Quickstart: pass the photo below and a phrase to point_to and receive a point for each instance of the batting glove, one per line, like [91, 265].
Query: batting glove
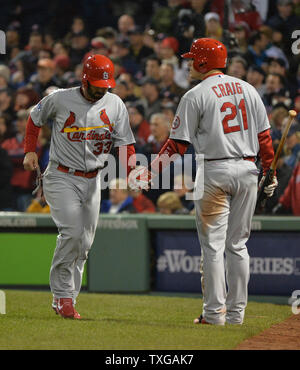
[269, 190]
[140, 178]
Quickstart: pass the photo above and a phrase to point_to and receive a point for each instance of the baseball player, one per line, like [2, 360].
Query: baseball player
[87, 122]
[226, 121]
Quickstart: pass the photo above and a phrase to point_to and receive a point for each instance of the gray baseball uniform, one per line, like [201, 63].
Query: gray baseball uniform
[222, 117]
[83, 134]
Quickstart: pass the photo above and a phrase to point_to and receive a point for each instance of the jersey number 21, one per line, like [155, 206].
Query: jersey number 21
[231, 116]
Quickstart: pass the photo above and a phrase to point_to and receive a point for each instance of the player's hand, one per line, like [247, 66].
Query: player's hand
[140, 178]
[31, 162]
[269, 190]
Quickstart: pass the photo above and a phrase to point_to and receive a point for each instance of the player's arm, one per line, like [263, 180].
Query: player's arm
[140, 177]
[31, 136]
[127, 157]
[39, 115]
[266, 151]
[172, 146]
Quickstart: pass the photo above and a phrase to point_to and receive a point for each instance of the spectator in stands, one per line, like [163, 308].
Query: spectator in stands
[152, 68]
[6, 171]
[138, 51]
[6, 127]
[45, 76]
[125, 23]
[168, 50]
[98, 45]
[121, 51]
[241, 33]
[122, 90]
[183, 185]
[109, 34]
[12, 40]
[134, 90]
[79, 46]
[213, 26]
[278, 65]
[140, 127]
[285, 22]
[35, 45]
[141, 203]
[256, 77]
[150, 97]
[199, 9]
[169, 203]
[60, 48]
[119, 199]
[237, 67]
[21, 181]
[169, 110]
[160, 130]
[256, 53]
[289, 202]
[62, 66]
[167, 82]
[274, 87]
[277, 118]
[4, 76]
[25, 98]
[78, 26]
[164, 18]
[243, 11]
[293, 145]
[6, 102]
[38, 205]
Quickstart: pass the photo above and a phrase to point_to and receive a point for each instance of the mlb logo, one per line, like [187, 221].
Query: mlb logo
[105, 76]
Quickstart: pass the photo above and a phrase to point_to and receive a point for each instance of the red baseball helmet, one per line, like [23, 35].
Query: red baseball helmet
[207, 54]
[98, 70]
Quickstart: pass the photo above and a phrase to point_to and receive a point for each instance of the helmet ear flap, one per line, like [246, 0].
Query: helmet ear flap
[199, 64]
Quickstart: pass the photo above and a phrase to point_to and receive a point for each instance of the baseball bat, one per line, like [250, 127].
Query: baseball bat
[261, 196]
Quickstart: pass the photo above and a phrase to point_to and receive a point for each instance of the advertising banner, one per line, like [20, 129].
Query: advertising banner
[274, 262]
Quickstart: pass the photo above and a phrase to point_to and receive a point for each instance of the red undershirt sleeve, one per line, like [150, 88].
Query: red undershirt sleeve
[171, 147]
[127, 157]
[31, 136]
[266, 150]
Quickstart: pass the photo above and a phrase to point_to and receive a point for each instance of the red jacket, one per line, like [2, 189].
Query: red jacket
[143, 131]
[15, 150]
[291, 196]
[143, 205]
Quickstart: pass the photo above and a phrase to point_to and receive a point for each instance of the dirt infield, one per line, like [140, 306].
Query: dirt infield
[282, 336]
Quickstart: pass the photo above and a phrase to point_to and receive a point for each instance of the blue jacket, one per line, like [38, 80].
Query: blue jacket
[126, 206]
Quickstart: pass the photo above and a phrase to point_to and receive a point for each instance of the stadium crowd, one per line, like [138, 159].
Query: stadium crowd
[46, 45]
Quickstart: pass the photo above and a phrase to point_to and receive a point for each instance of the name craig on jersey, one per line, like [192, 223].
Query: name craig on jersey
[80, 136]
[226, 89]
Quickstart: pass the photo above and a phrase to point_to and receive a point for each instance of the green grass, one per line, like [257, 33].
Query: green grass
[124, 322]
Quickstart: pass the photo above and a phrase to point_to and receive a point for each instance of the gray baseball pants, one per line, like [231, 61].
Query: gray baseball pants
[75, 204]
[223, 218]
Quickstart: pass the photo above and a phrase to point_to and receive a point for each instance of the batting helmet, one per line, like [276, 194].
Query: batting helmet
[207, 54]
[98, 70]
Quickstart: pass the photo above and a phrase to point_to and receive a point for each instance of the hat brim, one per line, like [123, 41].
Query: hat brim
[188, 55]
[103, 83]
